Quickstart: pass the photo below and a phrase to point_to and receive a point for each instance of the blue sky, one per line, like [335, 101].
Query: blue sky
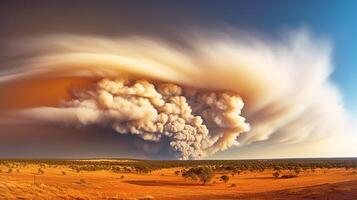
[334, 20]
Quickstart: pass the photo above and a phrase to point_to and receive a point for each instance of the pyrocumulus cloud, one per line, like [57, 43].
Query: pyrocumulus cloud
[203, 95]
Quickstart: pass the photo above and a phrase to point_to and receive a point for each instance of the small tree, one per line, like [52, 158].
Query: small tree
[276, 174]
[297, 170]
[313, 169]
[225, 178]
[189, 174]
[205, 175]
[40, 171]
[277, 168]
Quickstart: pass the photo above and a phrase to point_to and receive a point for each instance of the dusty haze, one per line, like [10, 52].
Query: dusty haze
[200, 95]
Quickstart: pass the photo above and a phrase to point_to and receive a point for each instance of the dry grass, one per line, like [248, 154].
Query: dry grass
[24, 182]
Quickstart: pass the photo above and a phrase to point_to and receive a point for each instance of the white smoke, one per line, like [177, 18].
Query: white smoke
[285, 87]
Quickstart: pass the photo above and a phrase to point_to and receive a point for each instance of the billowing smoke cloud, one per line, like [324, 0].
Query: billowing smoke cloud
[191, 92]
[166, 110]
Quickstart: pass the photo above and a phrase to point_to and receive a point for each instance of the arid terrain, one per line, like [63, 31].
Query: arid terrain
[51, 180]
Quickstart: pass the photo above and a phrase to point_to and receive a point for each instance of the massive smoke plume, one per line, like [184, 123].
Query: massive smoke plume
[196, 123]
[190, 92]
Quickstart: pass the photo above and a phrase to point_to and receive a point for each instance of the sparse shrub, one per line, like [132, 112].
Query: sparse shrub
[288, 176]
[0, 170]
[297, 170]
[122, 177]
[204, 174]
[277, 168]
[189, 174]
[9, 170]
[82, 181]
[177, 173]
[313, 169]
[63, 173]
[225, 178]
[143, 168]
[18, 170]
[237, 171]
[116, 169]
[233, 185]
[276, 174]
[40, 171]
[147, 197]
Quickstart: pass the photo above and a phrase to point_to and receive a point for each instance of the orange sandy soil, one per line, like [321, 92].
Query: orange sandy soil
[164, 184]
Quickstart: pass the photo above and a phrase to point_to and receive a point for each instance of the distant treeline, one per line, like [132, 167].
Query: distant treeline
[145, 166]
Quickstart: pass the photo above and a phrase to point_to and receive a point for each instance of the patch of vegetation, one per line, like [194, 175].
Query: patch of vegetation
[148, 197]
[285, 176]
[225, 166]
[203, 174]
[224, 178]
[297, 170]
[276, 174]
[177, 173]
[40, 171]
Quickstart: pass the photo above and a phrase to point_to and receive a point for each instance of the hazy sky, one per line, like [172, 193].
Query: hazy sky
[334, 21]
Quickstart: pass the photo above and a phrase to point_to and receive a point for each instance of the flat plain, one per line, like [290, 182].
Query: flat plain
[126, 179]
